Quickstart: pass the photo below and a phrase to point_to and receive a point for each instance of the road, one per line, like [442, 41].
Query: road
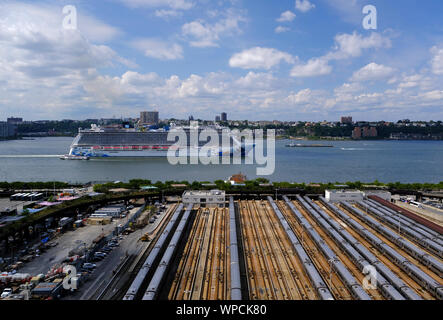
[68, 241]
[129, 248]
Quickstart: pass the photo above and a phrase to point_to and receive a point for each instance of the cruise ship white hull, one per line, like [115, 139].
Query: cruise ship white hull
[192, 152]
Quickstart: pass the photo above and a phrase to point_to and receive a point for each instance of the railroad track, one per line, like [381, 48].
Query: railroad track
[369, 210]
[349, 264]
[203, 271]
[334, 283]
[397, 248]
[274, 270]
[432, 279]
[301, 288]
[385, 260]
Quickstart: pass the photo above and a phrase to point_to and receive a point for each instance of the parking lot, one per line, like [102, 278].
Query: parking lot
[67, 242]
[432, 213]
[128, 245]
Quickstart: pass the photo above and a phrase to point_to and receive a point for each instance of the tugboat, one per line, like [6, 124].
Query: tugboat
[73, 157]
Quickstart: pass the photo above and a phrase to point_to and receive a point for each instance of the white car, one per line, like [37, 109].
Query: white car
[6, 293]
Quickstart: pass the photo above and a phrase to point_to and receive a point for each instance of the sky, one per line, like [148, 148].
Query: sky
[254, 59]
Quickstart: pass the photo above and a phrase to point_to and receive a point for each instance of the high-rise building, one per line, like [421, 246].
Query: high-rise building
[7, 130]
[15, 121]
[4, 132]
[346, 120]
[149, 117]
[224, 117]
[217, 119]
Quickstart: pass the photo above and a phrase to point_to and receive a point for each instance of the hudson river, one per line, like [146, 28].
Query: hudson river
[366, 161]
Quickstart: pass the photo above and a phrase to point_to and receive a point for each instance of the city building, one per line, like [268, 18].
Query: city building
[15, 121]
[149, 117]
[7, 130]
[357, 133]
[370, 132]
[224, 117]
[343, 195]
[346, 120]
[217, 119]
[364, 132]
[206, 199]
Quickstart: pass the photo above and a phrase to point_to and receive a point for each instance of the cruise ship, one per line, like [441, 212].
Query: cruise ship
[108, 142]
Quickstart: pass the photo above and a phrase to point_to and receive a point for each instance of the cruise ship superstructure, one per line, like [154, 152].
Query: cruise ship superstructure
[106, 142]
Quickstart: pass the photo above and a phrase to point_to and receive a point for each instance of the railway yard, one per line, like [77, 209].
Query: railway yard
[296, 248]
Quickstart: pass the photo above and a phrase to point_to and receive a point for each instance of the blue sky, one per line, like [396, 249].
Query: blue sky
[257, 60]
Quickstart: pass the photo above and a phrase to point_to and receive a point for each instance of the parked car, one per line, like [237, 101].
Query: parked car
[6, 293]
[89, 266]
[97, 258]
[88, 271]
[113, 244]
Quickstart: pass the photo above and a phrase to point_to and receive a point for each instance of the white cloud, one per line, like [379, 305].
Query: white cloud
[256, 80]
[95, 30]
[286, 16]
[165, 13]
[314, 67]
[437, 60]
[260, 58]
[303, 96]
[346, 46]
[412, 81]
[281, 29]
[202, 34]
[352, 45]
[174, 4]
[372, 71]
[432, 95]
[348, 88]
[158, 49]
[42, 66]
[304, 5]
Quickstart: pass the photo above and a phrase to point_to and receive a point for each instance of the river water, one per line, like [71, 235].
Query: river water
[367, 161]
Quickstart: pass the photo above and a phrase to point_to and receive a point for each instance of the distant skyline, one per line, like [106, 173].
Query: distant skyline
[258, 60]
[229, 119]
